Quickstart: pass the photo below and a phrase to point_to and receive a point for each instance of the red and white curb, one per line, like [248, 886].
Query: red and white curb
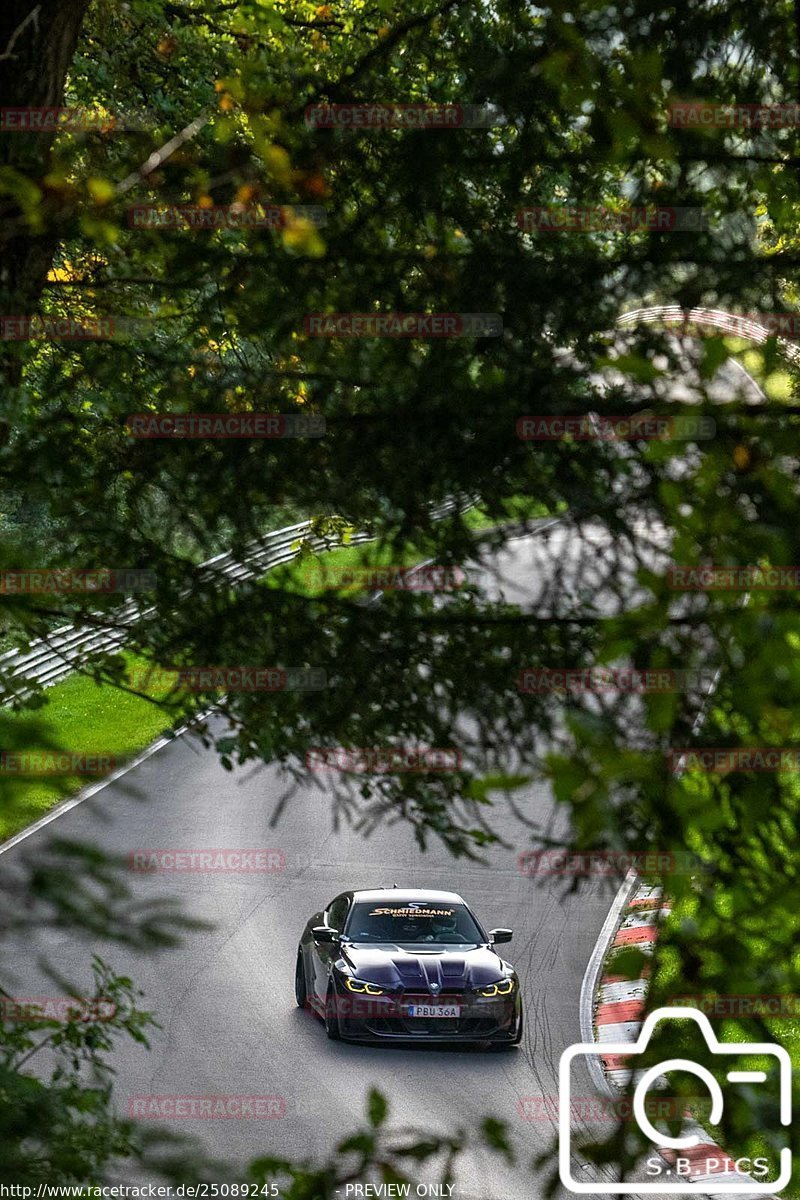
[620, 1002]
[612, 1010]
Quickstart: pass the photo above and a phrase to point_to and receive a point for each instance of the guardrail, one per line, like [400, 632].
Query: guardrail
[672, 316]
[54, 657]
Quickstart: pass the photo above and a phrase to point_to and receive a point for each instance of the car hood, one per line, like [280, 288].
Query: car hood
[436, 970]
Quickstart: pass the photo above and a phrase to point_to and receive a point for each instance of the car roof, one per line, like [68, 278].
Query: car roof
[405, 895]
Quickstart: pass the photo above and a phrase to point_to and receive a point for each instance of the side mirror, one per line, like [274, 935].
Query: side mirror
[496, 936]
[323, 933]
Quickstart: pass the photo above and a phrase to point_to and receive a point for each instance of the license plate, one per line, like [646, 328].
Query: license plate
[434, 1010]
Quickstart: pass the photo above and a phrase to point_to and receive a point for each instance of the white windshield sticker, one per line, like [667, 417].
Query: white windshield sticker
[412, 912]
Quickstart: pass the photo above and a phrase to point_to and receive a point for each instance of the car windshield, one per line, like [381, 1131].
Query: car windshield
[413, 923]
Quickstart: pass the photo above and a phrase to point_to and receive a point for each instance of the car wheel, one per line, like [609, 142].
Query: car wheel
[300, 981]
[518, 1034]
[331, 1016]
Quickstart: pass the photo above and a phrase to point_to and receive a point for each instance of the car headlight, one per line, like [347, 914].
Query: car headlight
[503, 988]
[362, 988]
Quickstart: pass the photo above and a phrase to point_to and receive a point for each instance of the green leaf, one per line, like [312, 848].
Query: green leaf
[377, 1108]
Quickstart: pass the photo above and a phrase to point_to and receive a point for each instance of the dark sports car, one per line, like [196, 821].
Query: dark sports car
[407, 964]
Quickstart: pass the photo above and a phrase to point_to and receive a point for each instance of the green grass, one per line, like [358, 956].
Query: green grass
[79, 715]
[515, 508]
[84, 716]
[775, 381]
[304, 576]
[307, 575]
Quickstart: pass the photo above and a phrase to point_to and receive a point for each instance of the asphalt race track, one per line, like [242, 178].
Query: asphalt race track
[225, 999]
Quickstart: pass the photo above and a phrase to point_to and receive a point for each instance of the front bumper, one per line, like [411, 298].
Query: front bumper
[385, 1018]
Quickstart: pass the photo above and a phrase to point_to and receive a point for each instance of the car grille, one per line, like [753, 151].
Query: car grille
[466, 1026]
[431, 1026]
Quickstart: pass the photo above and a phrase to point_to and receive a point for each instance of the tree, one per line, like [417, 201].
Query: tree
[218, 319]
[39, 42]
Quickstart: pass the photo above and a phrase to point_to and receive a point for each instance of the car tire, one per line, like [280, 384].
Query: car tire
[331, 1016]
[300, 993]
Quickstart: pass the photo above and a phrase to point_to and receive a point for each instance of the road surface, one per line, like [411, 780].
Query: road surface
[225, 1000]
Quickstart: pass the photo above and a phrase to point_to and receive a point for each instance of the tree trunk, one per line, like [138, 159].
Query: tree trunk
[37, 44]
